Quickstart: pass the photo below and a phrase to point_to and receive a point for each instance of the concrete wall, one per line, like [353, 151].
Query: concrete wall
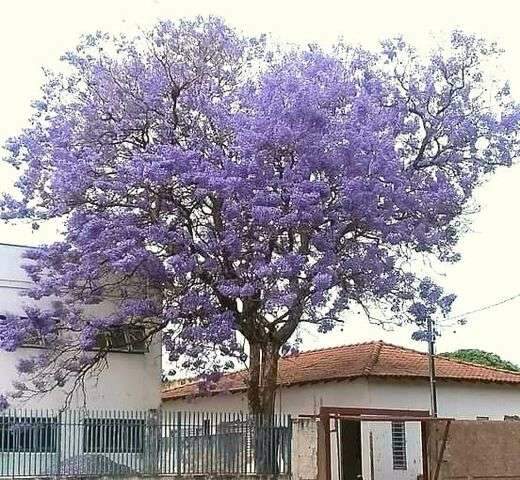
[476, 449]
[462, 400]
[130, 381]
[304, 459]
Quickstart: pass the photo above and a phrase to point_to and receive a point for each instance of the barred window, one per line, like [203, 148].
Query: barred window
[113, 435]
[399, 445]
[122, 339]
[28, 434]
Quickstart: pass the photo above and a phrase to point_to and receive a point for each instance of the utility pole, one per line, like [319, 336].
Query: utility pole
[431, 362]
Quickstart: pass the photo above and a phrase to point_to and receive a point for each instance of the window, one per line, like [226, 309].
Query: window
[123, 339]
[113, 435]
[28, 434]
[399, 445]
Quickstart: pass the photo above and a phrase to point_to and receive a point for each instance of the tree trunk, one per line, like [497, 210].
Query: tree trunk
[253, 383]
[263, 376]
[269, 378]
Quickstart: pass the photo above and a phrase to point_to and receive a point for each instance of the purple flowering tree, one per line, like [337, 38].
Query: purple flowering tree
[250, 190]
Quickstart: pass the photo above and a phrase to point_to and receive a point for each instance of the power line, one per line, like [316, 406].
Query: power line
[485, 307]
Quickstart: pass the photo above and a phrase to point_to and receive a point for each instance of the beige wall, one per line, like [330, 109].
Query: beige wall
[476, 449]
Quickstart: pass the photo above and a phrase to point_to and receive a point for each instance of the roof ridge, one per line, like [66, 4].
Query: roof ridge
[374, 358]
[336, 347]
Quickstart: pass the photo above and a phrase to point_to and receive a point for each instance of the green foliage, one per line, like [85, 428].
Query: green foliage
[481, 357]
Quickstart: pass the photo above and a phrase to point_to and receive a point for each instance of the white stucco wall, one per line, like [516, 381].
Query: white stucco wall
[463, 400]
[130, 381]
[295, 401]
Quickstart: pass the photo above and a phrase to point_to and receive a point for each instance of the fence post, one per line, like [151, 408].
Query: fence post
[178, 439]
[152, 442]
[59, 449]
[289, 444]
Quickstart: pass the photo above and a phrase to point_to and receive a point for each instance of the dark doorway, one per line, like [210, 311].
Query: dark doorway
[350, 450]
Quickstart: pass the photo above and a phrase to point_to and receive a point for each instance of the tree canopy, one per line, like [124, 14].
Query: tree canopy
[254, 187]
[474, 355]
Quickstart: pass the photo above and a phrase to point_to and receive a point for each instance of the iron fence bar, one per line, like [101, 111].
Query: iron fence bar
[190, 444]
[245, 440]
[225, 443]
[136, 459]
[9, 440]
[2, 443]
[129, 447]
[217, 441]
[42, 427]
[114, 430]
[16, 436]
[158, 435]
[123, 445]
[69, 457]
[194, 442]
[168, 436]
[177, 444]
[287, 451]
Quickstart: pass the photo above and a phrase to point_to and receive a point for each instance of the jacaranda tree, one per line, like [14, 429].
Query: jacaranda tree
[250, 187]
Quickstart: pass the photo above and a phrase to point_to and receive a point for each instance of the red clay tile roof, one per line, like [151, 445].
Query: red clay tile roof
[372, 359]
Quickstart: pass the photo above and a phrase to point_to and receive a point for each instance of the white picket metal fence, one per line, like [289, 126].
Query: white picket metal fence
[131, 443]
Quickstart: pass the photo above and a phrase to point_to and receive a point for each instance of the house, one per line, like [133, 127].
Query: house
[115, 387]
[373, 375]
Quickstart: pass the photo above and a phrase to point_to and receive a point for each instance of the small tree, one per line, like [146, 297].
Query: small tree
[255, 190]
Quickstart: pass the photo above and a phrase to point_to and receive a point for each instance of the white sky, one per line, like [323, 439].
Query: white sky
[34, 33]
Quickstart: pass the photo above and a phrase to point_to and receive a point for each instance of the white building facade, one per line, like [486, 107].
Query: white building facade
[105, 422]
[131, 380]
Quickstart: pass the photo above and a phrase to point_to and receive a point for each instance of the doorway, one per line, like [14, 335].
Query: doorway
[350, 435]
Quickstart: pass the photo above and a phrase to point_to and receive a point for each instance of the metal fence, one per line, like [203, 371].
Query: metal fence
[130, 443]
